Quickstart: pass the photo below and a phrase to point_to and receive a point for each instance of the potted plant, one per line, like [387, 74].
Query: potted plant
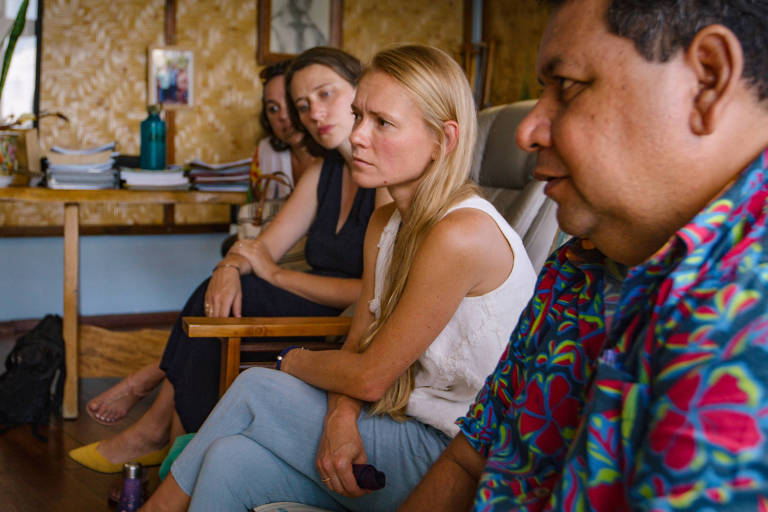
[9, 141]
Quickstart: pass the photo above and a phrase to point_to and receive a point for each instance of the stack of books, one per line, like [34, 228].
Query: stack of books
[172, 178]
[88, 169]
[226, 177]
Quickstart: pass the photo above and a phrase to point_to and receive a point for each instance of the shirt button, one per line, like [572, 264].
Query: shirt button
[541, 492]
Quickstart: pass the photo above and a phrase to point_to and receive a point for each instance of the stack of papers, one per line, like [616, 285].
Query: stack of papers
[143, 179]
[92, 168]
[226, 177]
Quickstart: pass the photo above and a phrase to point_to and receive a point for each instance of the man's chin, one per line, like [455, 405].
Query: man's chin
[573, 222]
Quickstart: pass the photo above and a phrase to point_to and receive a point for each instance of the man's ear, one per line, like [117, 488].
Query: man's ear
[451, 131]
[717, 59]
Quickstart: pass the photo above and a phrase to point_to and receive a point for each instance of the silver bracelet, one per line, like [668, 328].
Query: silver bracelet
[224, 265]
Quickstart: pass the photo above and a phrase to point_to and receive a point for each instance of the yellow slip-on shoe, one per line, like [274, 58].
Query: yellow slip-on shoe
[90, 457]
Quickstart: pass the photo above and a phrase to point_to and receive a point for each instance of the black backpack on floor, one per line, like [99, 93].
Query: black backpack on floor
[32, 386]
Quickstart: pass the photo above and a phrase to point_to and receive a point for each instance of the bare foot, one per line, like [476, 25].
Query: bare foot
[113, 404]
[131, 444]
[147, 435]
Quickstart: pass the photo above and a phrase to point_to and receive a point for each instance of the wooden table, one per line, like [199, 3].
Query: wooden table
[72, 199]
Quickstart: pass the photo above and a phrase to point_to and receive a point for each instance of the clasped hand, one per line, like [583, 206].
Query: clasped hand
[224, 293]
[258, 256]
[340, 447]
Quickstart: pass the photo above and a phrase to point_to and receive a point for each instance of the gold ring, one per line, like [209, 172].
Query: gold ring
[326, 480]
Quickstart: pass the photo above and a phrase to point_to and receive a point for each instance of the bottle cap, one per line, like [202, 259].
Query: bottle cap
[132, 470]
[154, 109]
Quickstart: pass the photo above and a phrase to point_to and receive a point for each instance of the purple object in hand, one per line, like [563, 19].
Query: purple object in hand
[368, 477]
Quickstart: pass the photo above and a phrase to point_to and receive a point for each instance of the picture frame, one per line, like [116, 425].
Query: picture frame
[279, 39]
[170, 77]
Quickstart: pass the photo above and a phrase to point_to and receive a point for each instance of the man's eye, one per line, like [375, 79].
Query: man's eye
[565, 83]
[302, 107]
[568, 88]
[273, 109]
[384, 122]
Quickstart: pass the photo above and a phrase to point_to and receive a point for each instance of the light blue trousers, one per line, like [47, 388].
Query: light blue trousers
[259, 444]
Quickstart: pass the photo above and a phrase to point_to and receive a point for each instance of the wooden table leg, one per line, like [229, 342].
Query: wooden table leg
[71, 303]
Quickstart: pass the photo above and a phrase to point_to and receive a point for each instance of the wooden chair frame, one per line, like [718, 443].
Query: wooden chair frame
[231, 331]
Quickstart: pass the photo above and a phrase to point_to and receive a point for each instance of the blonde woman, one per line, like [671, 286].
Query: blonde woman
[444, 281]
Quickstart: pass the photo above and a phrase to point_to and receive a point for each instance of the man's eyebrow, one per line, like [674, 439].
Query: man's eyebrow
[549, 69]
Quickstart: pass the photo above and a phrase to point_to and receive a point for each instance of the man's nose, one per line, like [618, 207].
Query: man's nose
[534, 131]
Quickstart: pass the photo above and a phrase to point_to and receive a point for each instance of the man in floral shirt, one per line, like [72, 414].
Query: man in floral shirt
[638, 376]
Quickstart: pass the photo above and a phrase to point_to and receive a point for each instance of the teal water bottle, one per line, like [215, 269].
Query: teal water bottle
[152, 154]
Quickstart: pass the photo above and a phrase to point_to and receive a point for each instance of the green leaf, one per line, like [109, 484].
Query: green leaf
[16, 30]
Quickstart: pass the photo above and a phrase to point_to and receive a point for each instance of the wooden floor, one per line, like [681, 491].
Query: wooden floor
[39, 476]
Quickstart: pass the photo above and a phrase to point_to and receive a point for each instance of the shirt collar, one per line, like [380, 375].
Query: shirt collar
[710, 222]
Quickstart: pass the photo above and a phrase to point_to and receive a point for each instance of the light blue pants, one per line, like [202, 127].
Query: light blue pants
[259, 444]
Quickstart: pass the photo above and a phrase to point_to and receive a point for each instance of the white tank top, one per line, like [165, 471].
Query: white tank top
[454, 367]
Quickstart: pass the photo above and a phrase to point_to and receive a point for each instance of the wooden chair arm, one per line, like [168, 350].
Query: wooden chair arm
[230, 331]
[261, 327]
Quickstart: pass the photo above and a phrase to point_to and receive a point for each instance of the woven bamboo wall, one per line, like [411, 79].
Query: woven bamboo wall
[94, 65]
[516, 27]
[371, 24]
[94, 69]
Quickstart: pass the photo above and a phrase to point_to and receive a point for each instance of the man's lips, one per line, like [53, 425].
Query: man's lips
[551, 181]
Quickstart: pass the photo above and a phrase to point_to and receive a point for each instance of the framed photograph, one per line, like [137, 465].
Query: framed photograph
[288, 27]
[171, 73]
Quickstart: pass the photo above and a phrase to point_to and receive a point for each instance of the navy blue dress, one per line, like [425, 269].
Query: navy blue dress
[192, 366]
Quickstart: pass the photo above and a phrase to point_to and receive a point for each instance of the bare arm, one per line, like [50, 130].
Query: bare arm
[465, 254]
[451, 482]
[341, 444]
[224, 294]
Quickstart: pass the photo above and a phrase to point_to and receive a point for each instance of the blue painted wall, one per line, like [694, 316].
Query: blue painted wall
[118, 274]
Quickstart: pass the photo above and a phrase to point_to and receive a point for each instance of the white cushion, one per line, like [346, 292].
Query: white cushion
[284, 506]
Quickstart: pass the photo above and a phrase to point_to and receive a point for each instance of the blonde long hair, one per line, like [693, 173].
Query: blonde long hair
[440, 88]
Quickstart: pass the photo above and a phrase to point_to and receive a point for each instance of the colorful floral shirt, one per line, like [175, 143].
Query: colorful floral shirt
[666, 408]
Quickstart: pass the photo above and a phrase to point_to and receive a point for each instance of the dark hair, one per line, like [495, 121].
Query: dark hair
[267, 74]
[659, 28]
[343, 64]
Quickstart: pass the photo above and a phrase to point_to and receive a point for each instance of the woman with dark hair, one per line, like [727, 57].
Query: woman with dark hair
[326, 206]
[283, 148]
[282, 152]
